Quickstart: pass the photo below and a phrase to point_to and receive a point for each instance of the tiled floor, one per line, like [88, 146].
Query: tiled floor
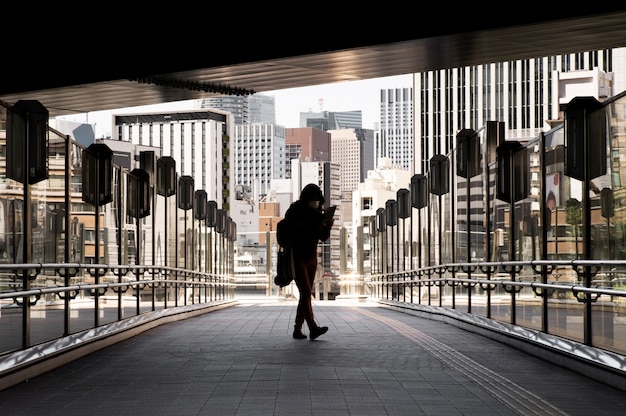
[242, 360]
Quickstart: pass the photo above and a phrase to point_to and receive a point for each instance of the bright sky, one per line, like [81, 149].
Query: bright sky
[344, 96]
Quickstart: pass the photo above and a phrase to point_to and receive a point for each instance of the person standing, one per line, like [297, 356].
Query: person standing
[308, 226]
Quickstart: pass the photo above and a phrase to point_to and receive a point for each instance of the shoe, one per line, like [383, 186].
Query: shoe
[316, 332]
[297, 334]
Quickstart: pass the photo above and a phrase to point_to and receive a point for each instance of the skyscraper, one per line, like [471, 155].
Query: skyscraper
[195, 139]
[353, 151]
[523, 94]
[332, 120]
[307, 145]
[395, 135]
[258, 153]
[258, 156]
[255, 108]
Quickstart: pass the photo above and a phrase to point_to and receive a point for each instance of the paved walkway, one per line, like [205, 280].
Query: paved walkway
[242, 360]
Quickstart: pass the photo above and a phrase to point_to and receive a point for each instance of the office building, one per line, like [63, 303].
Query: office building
[259, 155]
[332, 120]
[527, 97]
[519, 93]
[255, 108]
[307, 145]
[353, 151]
[395, 134]
[261, 109]
[258, 152]
[198, 141]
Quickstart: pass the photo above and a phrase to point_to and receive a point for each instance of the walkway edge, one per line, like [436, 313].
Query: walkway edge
[601, 365]
[22, 365]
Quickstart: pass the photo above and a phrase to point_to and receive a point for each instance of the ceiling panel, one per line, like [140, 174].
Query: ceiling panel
[290, 70]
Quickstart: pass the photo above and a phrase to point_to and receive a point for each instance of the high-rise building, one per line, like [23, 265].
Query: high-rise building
[527, 96]
[197, 140]
[258, 157]
[259, 143]
[307, 145]
[255, 108]
[261, 109]
[353, 151]
[395, 134]
[235, 104]
[519, 93]
[332, 120]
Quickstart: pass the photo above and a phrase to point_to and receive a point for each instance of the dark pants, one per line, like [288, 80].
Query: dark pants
[305, 275]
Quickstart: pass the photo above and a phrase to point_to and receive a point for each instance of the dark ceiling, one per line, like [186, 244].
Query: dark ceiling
[124, 68]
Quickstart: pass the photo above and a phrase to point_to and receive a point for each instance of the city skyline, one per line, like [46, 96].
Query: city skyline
[361, 95]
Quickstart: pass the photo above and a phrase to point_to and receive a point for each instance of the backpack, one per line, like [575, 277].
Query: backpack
[284, 259]
[285, 272]
[283, 232]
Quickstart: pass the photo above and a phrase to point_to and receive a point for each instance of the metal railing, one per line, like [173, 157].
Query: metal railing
[65, 299]
[524, 294]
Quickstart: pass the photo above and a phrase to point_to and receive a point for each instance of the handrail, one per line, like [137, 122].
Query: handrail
[170, 282]
[589, 307]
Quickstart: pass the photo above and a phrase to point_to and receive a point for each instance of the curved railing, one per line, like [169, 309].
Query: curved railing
[40, 303]
[525, 294]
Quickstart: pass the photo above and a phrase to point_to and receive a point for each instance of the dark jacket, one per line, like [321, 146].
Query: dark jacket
[306, 229]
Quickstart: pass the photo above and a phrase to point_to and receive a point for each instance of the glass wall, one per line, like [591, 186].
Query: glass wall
[86, 242]
[526, 232]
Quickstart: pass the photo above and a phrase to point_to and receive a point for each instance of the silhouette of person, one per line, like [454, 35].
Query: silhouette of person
[308, 227]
